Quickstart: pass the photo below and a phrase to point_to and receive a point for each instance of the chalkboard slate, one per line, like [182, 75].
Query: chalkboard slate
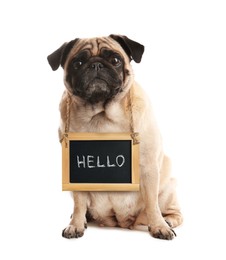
[100, 162]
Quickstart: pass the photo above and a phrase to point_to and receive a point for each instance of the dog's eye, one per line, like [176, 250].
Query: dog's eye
[77, 64]
[115, 61]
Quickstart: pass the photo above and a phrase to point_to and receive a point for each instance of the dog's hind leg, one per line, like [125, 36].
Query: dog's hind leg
[169, 205]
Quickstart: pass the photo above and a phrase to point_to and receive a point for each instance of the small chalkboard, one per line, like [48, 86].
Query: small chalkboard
[100, 162]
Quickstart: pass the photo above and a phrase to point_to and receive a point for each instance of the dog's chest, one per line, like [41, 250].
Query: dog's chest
[97, 119]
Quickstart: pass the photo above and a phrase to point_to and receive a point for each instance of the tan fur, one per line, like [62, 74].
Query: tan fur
[156, 201]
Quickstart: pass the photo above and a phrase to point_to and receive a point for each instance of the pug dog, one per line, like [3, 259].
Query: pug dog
[100, 81]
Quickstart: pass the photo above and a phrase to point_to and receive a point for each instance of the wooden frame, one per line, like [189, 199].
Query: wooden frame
[67, 186]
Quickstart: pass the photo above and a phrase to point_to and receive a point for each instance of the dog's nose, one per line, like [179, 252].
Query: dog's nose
[97, 66]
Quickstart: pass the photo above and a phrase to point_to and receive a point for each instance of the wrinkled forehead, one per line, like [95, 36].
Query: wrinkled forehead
[95, 45]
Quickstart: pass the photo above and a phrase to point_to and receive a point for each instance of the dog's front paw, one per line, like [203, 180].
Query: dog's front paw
[162, 232]
[73, 232]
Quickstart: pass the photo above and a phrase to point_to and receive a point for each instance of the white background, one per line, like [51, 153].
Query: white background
[183, 72]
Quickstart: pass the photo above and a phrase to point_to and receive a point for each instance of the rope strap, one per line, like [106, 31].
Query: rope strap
[134, 135]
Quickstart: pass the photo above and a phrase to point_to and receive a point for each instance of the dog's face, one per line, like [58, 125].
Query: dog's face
[97, 69]
[95, 74]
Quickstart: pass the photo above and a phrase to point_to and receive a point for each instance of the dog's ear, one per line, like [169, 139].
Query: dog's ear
[59, 56]
[133, 49]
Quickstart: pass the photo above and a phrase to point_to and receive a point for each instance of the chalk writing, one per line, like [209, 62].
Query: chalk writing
[91, 161]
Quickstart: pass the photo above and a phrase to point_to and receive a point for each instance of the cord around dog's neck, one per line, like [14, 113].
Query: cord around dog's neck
[134, 135]
[68, 104]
